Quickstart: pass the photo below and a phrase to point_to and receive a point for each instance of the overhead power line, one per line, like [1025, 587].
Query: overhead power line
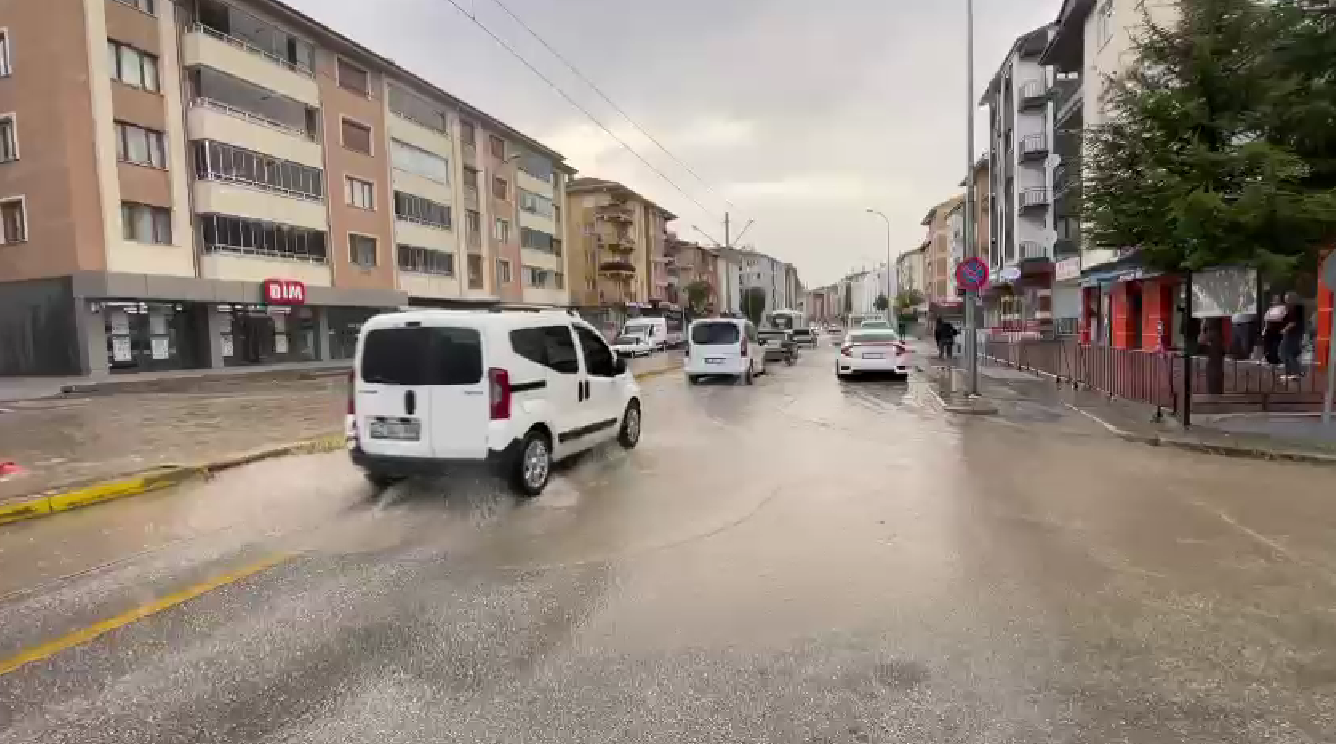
[608, 100]
[501, 42]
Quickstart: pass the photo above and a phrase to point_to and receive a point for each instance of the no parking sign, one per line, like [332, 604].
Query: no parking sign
[971, 274]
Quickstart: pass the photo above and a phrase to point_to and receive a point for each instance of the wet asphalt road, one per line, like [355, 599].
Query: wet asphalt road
[797, 561]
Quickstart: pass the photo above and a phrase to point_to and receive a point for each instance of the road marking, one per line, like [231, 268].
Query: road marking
[85, 635]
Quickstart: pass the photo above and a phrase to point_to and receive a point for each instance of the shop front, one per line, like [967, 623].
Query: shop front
[129, 324]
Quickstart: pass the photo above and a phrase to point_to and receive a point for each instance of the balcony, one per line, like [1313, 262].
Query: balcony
[216, 196]
[471, 198]
[472, 240]
[617, 269]
[621, 244]
[1063, 247]
[1066, 177]
[1034, 94]
[209, 47]
[615, 212]
[209, 119]
[1033, 198]
[1068, 99]
[1030, 250]
[1033, 147]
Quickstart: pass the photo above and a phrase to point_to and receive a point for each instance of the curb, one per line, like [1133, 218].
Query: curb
[50, 504]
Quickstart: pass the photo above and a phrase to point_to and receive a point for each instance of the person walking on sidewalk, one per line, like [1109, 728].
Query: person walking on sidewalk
[1273, 330]
[945, 335]
[1292, 342]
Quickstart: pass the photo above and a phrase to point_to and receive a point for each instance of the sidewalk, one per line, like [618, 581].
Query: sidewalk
[34, 388]
[59, 442]
[1260, 436]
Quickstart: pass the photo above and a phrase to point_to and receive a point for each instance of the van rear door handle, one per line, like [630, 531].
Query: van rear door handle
[410, 402]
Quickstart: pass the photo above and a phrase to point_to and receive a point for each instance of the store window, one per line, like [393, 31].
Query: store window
[265, 334]
[145, 336]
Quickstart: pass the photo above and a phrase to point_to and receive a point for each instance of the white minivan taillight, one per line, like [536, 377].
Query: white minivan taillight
[498, 393]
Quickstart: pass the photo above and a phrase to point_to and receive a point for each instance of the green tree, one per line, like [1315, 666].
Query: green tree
[1190, 164]
[907, 299]
[753, 303]
[698, 296]
[881, 304]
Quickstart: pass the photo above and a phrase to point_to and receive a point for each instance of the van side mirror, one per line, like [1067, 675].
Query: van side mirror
[619, 365]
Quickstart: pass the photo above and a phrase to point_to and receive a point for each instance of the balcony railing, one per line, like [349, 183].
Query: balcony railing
[1067, 99]
[1033, 146]
[1034, 93]
[473, 239]
[200, 28]
[1032, 250]
[1066, 176]
[1030, 198]
[616, 267]
[263, 121]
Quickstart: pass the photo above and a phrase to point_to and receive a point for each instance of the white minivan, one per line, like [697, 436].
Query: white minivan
[432, 390]
[724, 346]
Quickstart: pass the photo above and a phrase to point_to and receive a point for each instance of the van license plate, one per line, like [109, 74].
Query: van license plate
[874, 356]
[713, 360]
[402, 431]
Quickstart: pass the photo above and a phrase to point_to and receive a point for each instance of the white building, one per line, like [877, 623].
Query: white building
[729, 273]
[769, 274]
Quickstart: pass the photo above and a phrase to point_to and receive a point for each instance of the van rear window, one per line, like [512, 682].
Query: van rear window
[715, 334]
[422, 356]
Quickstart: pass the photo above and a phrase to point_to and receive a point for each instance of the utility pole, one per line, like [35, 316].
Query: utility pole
[971, 296]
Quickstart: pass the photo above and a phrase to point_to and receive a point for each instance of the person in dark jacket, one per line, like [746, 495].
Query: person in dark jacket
[945, 336]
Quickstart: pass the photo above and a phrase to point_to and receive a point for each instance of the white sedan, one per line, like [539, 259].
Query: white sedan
[632, 346]
[873, 350]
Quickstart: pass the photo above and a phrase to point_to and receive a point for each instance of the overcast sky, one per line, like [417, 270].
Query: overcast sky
[801, 113]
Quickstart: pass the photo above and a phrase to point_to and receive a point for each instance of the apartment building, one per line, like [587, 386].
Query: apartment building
[729, 280]
[939, 284]
[777, 278]
[910, 269]
[688, 263]
[614, 234]
[199, 183]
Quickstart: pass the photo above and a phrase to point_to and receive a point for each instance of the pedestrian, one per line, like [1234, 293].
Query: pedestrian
[1293, 334]
[945, 335]
[1273, 327]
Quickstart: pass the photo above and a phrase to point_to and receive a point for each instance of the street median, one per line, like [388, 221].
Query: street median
[71, 496]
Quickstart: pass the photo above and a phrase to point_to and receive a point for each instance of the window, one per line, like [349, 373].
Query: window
[419, 357]
[559, 280]
[144, 5]
[536, 204]
[135, 144]
[537, 166]
[714, 334]
[417, 161]
[598, 357]
[539, 241]
[222, 233]
[131, 66]
[536, 277]
[13, 221]
[216, 161]
[361, 250]
[242, 98]
[500, 187]
[475, 271]
[417, 109]
[359, 193]
[551, 346]
[471, 179]
[502, 271]
[501, 230]
[9, 139]
[422, 211]
[4, 53]
[468, 134]
[426, 260]
[354, 78]
[145, 224]
[356, 137]
[496, 145]
[1104, 23]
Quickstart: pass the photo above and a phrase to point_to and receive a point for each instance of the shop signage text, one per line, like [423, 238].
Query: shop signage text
[284, 292]
[1067, 269]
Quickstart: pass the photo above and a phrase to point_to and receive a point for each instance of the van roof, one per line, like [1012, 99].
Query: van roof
[469, 317]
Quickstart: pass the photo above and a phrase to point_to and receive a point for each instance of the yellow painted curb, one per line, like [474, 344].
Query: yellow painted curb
[657, 372]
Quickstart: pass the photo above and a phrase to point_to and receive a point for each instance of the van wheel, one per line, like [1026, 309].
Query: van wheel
[629, 436]
[533, 465]
[380, 480]
[693, 380]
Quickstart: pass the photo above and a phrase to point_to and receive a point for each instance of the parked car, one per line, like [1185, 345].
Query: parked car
[656, 330]
[632, 346]
[724, 346]
[433, 391]
[873, 350]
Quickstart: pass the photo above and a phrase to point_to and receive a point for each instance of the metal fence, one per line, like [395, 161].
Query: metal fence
[1157, 377]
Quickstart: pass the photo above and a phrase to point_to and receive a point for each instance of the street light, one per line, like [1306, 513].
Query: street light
[889, 260]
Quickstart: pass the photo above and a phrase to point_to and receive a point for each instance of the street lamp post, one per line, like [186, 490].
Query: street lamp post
[968, 227]
[887, 220]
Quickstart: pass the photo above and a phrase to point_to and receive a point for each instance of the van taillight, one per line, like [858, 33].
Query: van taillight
[744, 346]
[352, 392]
[498, 393]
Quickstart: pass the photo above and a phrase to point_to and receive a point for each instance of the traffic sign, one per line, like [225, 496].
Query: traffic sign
[972, 274]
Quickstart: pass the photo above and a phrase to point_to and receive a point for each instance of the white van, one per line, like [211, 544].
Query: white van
[724, 346]
[653, 330]
[515, 390]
